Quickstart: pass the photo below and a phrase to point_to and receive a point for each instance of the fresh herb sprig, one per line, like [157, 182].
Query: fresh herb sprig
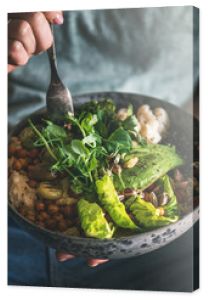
[83, 152]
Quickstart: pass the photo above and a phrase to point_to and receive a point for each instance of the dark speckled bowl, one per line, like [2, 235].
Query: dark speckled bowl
[181, 135]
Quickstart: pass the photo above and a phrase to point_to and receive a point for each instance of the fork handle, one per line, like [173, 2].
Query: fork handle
[52, 59]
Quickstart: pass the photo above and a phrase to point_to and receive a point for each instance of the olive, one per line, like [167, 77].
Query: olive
[48, 191]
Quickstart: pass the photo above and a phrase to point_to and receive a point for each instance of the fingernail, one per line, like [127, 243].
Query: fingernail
[58, 20]
[92, 265]
[64, 257]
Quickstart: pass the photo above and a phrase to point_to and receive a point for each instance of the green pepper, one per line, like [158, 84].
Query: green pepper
[149, 216]
[111, 203]
[93, 222]
[153, 162]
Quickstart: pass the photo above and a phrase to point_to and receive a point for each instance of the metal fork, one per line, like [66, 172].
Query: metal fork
[58, 99]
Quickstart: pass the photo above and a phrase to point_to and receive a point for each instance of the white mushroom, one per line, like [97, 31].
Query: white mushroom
[163, 119]
[153, 125]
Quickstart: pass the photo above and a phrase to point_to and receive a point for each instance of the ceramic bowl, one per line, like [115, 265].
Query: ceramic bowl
[180, 134]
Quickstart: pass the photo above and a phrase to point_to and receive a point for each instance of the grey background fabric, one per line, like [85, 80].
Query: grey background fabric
[142, 50]
[148, 51]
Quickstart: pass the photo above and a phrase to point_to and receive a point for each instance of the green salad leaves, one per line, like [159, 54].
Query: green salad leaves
[91, 149]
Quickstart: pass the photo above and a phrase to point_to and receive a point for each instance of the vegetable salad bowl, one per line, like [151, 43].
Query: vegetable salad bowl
[185, 140]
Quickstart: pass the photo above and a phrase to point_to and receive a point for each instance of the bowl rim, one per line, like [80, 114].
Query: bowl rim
[40, 111]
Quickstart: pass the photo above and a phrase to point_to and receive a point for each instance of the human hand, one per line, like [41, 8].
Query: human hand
[29, 34]
[92, 262]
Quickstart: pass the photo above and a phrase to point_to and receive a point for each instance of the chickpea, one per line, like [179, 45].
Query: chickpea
[12, 149]
[69, 211]
[58, 217]
[40, 206]
[21, 153]
[23, 162]
[51, 224]
[32, 183]
[44, 216]
[62, 225]
[53, 209]
[33, 153]
[17, 165]
[49, 191]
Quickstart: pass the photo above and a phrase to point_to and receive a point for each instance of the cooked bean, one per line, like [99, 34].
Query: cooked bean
[33, 153]
[32, 183]
[23, 162]
[40, 206]
[17, 165]
[52, 209]
[22, 153]
[62, 225]
[44, 216]
[58, 217]
[12, 149]
[51, 224]
[69, 211]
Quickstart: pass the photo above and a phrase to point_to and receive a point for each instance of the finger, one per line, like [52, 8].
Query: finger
[21, 31]
[40, 27]
[95, 262]
[17, 54]
[63, 256]
[11, 68]
[54, 17]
